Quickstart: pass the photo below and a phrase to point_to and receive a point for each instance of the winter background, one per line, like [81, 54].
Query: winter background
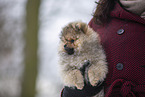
[54, 15]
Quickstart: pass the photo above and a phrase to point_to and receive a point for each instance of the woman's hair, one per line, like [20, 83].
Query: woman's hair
[103, 10]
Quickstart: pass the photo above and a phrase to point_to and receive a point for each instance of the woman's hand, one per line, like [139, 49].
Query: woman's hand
[134, 6]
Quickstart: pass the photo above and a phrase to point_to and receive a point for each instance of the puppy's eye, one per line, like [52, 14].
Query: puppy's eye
[72, 41]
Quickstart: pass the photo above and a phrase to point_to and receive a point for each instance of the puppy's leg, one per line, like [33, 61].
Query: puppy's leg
[74, 78]
[97, 72]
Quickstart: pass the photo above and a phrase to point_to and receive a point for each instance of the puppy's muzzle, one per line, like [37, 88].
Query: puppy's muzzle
[70, 51]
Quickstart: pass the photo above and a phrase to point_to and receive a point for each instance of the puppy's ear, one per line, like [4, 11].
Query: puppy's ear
[81, 27]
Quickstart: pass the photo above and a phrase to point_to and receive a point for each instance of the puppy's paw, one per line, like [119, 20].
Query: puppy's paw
[95, 75]
[73, 78]
[79, 86]
[78, 79]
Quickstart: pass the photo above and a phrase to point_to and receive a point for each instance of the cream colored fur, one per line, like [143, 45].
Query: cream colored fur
[89, 48]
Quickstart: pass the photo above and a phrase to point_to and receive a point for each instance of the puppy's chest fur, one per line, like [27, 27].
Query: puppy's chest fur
[77, 61]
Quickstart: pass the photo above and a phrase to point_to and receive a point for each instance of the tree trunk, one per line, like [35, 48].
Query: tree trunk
[31, 47]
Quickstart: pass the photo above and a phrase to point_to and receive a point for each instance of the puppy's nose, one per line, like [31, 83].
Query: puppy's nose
[70, 51]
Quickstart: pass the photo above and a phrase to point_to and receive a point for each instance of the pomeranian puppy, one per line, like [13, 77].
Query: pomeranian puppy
[80, 48]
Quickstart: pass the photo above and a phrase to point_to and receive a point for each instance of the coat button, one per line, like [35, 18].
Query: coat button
[120, 31]
[119, 66]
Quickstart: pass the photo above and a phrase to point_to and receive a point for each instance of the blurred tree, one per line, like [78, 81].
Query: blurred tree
[11, 45]
[31, 46]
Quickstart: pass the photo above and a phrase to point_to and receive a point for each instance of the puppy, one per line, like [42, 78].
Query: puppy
[80, 48]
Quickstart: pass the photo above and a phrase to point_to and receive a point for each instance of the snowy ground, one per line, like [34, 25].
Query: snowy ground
[55, 14]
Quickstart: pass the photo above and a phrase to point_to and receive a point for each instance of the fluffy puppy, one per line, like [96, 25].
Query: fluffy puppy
[80, 48]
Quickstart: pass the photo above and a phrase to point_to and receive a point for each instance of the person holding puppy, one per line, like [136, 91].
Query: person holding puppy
[121, 26]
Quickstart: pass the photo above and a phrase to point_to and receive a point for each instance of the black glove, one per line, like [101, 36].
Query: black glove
[87, 91]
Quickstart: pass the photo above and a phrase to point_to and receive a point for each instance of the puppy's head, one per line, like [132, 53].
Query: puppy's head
[72, 37]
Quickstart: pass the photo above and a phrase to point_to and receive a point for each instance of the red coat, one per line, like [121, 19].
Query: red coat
[123, 39]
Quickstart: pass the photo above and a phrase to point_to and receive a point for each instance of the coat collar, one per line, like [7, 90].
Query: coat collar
[121, 13]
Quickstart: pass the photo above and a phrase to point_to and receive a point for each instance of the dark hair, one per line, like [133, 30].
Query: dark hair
[103, 9]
